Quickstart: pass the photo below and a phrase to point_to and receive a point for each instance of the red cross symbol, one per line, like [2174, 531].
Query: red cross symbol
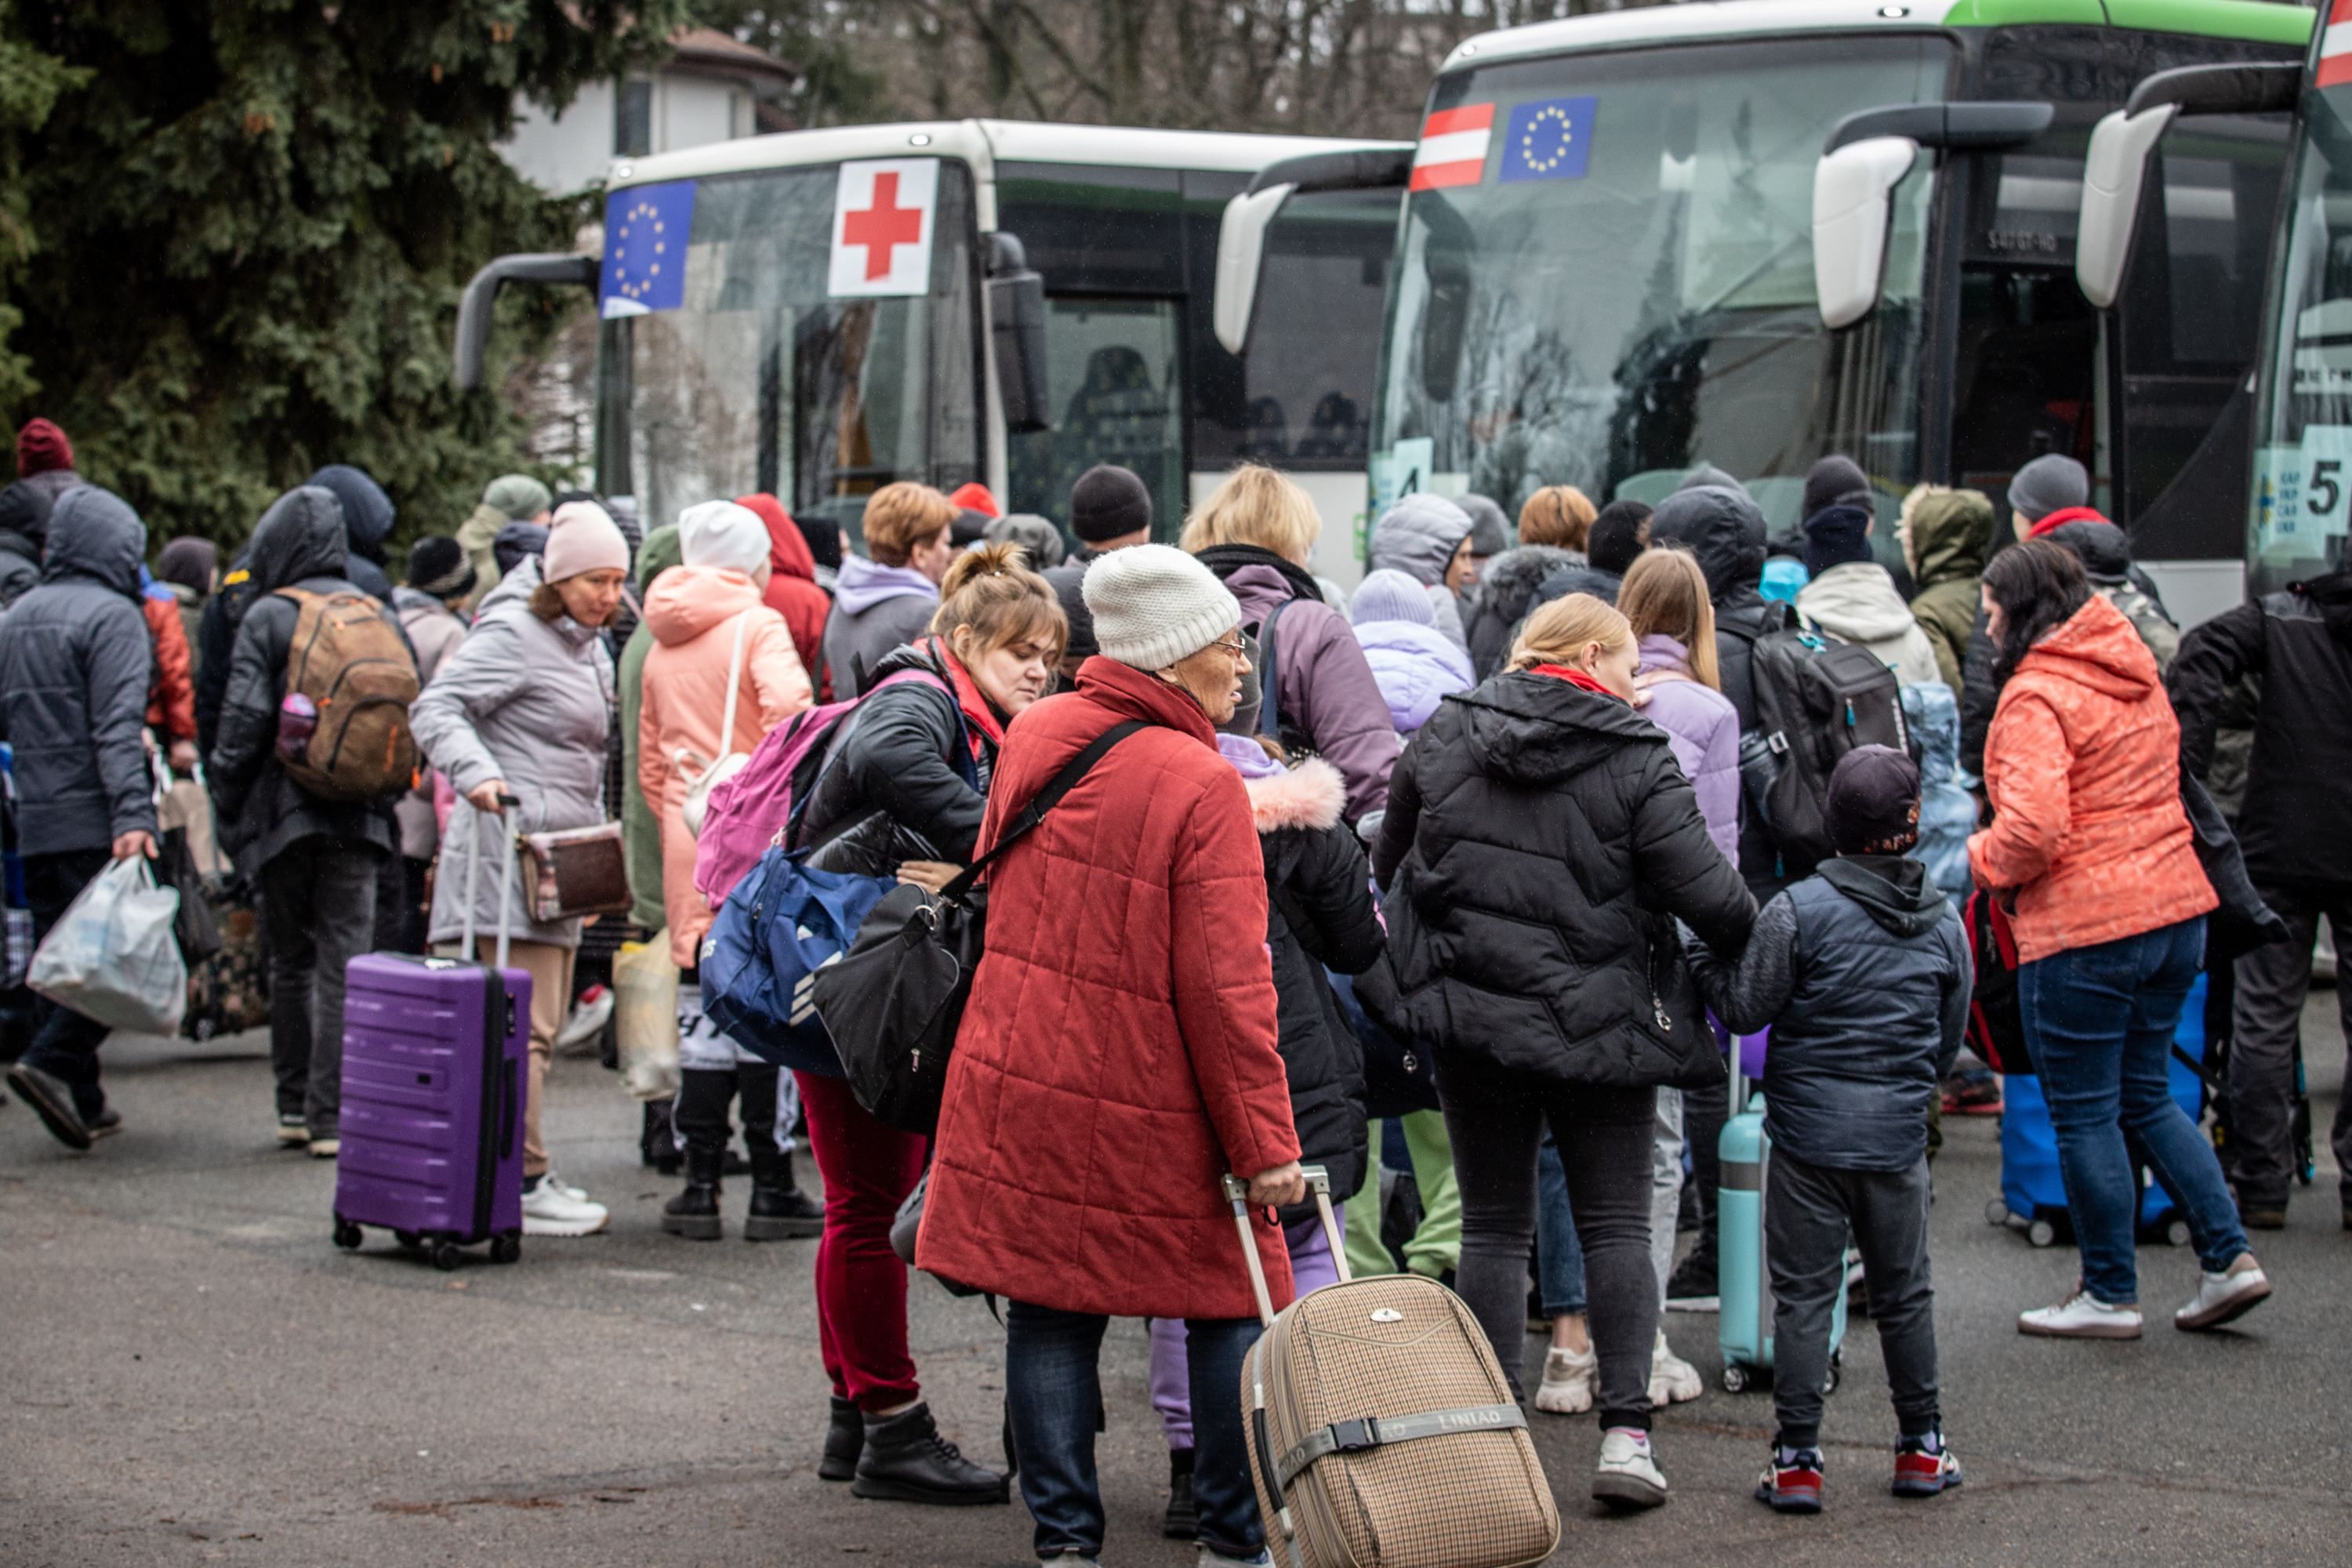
[883, 226]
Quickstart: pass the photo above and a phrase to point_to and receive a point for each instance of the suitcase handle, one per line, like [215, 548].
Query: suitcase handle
[506, 884]
[509, 1108]
[1318, 1181]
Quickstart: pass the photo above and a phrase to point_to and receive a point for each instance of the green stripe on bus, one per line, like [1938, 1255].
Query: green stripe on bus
[2256, 21]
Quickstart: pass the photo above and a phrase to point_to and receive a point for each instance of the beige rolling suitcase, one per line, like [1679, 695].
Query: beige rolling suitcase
[1381, 1431]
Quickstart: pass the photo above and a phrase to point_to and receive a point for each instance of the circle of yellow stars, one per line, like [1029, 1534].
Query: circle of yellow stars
[1528, 140]
[636, 288]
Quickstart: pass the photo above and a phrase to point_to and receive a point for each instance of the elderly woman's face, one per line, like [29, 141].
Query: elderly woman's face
[1213, 676]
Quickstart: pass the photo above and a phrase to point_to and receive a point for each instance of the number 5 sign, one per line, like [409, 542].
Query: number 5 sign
[2306, 492]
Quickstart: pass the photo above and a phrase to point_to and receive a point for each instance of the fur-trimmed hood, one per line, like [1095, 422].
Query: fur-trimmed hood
[1310, 796]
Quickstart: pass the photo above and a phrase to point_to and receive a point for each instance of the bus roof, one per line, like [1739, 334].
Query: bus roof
[982, 143]
[2261, 21]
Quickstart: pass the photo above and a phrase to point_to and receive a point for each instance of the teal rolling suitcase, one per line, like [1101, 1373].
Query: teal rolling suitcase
[1744, 1280]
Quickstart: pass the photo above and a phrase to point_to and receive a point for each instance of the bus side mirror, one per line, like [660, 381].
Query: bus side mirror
[1016, 325]
[1241, 252]
[1852, 190]
[477, 305]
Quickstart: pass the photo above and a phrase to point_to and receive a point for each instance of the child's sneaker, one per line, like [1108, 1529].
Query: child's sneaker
[1792, 1481]
[1924, 1467]
[1569, 1379]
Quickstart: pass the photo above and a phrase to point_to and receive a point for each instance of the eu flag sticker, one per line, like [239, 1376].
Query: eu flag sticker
[645, 231]
[1550, 139]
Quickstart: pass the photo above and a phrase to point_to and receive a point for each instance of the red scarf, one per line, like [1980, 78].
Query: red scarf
[1576, 678]
[980, 722]
[2062, 517]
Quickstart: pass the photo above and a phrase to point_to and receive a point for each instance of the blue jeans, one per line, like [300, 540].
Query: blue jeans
[2099, 1023]
[1053, 1387]
[1560, 1256]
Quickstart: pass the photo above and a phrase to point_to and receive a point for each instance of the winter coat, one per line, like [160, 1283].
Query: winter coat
[640, 828]
[1413, 665]
[1584, 578]
[692, 612]
[874, 610]
[1321, 678]
[910, 769]
[1862, 974]
[1418, 537]
[74, 666]
[1320, 916]
[1509, 587]
[1703, 729]
[529, 703]
[367, 523]
[1120, 1051]
[474, 536]
[2295, 825]
[172, 690]
[434, 632]
[1856, 603]
[24, 523]
[1540, 842]
[2106, 553]
[791, 591]
[1947, 813]
[1951, 531]
[1066, 579]
[298, 543]
[2082, 767]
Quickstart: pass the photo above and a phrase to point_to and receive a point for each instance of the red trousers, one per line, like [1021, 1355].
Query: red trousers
[861, 1286]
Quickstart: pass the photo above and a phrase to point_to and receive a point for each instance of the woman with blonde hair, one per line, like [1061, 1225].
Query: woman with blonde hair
[1539, 843]
[1255, 533]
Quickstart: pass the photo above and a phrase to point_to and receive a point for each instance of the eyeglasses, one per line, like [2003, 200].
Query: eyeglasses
[1237, 647]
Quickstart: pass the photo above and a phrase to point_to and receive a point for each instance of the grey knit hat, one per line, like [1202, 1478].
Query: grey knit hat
[1153, 604]
[2052, 482]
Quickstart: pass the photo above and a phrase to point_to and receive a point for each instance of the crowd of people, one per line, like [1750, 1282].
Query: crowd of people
[1466, 875]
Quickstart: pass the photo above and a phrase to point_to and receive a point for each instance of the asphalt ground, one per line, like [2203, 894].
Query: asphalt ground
[193, 1373]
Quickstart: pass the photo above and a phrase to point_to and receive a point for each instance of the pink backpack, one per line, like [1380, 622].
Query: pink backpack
[751, 812]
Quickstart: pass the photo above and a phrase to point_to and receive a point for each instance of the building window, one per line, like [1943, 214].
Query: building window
[633, 119]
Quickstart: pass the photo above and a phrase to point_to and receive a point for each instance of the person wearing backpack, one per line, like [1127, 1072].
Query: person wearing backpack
[1853, 598]
[440, 579]
[312, 845]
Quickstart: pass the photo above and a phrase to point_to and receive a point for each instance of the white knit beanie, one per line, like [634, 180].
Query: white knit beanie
[583, 538]
[1153, 604]
[721, 534]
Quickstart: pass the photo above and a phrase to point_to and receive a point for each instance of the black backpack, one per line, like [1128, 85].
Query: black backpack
[1816, 700]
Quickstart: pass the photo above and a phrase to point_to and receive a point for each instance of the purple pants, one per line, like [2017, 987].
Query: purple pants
[1311, 1269]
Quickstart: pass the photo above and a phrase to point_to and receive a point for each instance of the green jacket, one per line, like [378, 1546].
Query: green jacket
[640, 830]
[1950, 535]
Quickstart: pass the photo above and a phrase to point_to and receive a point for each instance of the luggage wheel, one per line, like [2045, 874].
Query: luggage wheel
[507, 1249]
[1735, 1378]
[1996, 1212]
[408, 1238]
[446, 1256]
[2041, 1232]
[2176, 1231]
[347, 1234]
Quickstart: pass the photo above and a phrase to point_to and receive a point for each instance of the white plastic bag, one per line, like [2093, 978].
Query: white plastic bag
[645, 1012]
[111, 957]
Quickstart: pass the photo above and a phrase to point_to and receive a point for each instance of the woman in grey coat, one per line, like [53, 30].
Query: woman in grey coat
[522, 709]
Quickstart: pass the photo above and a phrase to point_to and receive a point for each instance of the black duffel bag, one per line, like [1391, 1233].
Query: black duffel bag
[892, 1002]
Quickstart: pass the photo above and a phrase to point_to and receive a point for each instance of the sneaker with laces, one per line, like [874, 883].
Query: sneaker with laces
[587, 1018]
[549, 1210]
[1673, 1381]
[1691, 1288]
[1628, 1473]
[1792, 1481]
[1570, 1380]
[1924, 1467]
[2082, 1316]
[577, 1194]
[293, 1132]
[2225, 1296]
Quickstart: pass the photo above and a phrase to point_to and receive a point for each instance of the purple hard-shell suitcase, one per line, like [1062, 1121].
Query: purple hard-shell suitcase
[435, 1065]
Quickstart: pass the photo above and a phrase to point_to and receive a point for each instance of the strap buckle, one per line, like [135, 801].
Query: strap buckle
[1355, 1437]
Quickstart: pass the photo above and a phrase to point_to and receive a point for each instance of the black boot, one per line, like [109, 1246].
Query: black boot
[1184, 1521]
[780, 1211]
[658, 1143]
[844, 1439]
[906, 1461]
[694, 1212]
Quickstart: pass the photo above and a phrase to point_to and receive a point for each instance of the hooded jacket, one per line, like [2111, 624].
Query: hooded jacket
[74, 666]
[1704, 731]
[791, 591]
[691, 613]
[171, 688]
[1949, 533]
[1509, 587]
[1414, 666]
[906, 778]
[2082, 767]
[2297, 645]
[1418, 536]
[640, 828]
[367, 523]
[529, 703]
[1068, 579]
[875, 609]
[1856, 603]
[1540, 842]
[2106, 553]
[1582, 578]
[24, 522]
[434, 632]
[298, 543]
[1120, 1050]
[1947, 813]
[1862, 974]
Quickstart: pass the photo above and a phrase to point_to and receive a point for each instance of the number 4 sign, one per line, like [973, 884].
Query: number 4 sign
[882, 220]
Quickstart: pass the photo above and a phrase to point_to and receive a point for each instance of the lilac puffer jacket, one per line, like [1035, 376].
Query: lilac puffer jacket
[1325, 686]
[1703, 730]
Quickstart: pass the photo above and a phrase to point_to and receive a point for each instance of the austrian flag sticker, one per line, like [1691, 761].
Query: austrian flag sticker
[882, 228]
[1452, 150]
[2335, 46]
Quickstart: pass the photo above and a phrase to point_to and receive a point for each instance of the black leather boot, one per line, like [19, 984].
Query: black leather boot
[694, 1212]
[657, 1145]
[906, 1461]
[844, 1439]
[1184, 1521]
[780, 1211]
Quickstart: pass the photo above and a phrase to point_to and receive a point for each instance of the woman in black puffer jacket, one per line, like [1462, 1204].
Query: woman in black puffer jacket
[1540, 841]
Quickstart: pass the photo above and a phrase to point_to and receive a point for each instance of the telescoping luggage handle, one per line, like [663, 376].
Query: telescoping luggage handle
[506, 881]
[1318, 1181]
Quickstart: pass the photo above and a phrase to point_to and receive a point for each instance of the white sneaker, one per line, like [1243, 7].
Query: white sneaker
[549, 1210]
[1569, 1381]
[2081, 1316]
[2221, 1298]
[587, 1017]
[1673, 1381]
[1628, 1475]
[577, 1194]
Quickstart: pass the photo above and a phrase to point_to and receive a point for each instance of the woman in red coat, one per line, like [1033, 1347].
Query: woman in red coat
[1118, 1053]
[791, 591]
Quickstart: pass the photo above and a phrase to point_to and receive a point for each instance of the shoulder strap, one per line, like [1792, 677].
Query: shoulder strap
[1046, 800]
[734, 684]
[1269, 702]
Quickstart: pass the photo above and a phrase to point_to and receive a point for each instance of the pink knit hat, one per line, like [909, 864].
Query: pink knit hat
[581, 538]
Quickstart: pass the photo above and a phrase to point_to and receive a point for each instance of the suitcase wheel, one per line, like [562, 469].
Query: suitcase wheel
[1735, 1377]
[408, 1238]
[446, 1256]
[1996, 1212]
[2041, 1232]
[347, 1234]
[506, 1249]
[2176, 1231]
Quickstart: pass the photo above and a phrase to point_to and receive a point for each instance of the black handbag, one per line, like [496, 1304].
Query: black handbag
[196, 926]
[893, 1001]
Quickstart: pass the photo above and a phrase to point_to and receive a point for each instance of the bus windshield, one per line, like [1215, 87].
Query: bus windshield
[757, 380]
[1610, 313]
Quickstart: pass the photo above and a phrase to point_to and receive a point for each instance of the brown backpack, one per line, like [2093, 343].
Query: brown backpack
[351, 662]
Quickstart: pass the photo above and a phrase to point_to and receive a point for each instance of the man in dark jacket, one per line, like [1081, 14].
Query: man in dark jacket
[45, 458]
[2299, 645]
[1110, 509]
[368, 518]
[1617, 538]
[315, 860]
[24, 525]
[1862, 974]
[74, 663]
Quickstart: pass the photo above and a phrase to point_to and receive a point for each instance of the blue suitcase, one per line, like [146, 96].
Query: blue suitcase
[1743, 1272]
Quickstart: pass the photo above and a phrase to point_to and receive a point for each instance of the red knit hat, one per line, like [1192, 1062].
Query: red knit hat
[41, 446]
[975, 496]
